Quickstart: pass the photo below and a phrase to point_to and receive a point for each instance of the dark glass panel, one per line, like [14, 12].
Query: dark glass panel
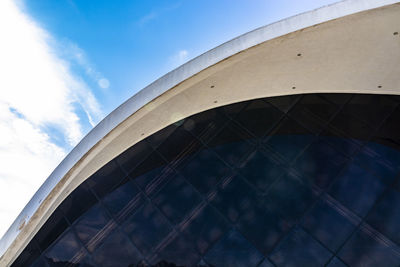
[335, 262]
[152, 162]
[290, 196]
[150, 169]
[396, 185]
[233, 250]
[265, 263]
[338, 99]
[117, 250]
[307, 119]
[205, 227]
[262, 227]
[357, 189]
[385, 217]
[288, 139]
[232, 110]
[360, 106]
[230, 143]
[346, 146]
[283, 103]
[66, 250]
[40, 262]
[86, 261]
[184, 144]
[121, 197]
[264, 117]
[79, 201]
[105, 179]
[146, 227]
[313, 112]
[51, 230]
[233, 197]
[351, 126]
[202, 263]
[232, 132]
[320, 163]
[28, 255]
[375, 163]
[205, 124]
[261, 170]
[318, 106]
[177, 199]
[388, 154]
[134, 155]
[204, 179]
[300, 249]
[179, 251]
[369, 248]
[225, 197]
[389, 134]
[394, 97]
[233, 153]
[330, 223]
[93, 227]
[159, 137]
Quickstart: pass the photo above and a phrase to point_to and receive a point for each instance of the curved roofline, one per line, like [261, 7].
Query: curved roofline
[12, 237]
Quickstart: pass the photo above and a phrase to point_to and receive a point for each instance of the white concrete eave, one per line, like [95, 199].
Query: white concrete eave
[346, 47]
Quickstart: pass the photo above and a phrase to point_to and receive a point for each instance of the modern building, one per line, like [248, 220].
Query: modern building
[278, 148]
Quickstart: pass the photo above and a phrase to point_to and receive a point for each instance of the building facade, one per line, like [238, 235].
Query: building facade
[285, 154]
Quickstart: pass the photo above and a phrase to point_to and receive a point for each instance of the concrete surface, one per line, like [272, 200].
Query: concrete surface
[347, 47]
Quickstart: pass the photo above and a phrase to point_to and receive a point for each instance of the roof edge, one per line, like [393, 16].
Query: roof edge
[170, 80]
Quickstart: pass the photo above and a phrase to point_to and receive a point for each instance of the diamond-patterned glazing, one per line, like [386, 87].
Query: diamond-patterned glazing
[302, 180]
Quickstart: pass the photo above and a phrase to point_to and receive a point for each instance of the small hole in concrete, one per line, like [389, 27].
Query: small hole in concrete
[379, 86]
[142, 134]
[395, 33]
[294, 87]
[299, 55]
[212, 86]
[215, 101]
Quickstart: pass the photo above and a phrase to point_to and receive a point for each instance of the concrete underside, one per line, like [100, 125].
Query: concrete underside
[358, 53]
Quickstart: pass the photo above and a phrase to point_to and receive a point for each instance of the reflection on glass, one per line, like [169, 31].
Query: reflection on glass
[306, 180]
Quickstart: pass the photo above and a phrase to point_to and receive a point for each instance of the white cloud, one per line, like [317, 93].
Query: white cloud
[104, 83]
[27, 158]
[37, 91]
[74, 53]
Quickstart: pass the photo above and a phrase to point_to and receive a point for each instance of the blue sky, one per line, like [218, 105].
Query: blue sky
[68, 63]
[133, 43]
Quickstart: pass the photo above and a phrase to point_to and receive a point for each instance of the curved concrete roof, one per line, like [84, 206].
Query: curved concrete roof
[350, 46]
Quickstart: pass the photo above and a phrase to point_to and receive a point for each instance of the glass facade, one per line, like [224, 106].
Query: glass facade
[302, 180]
